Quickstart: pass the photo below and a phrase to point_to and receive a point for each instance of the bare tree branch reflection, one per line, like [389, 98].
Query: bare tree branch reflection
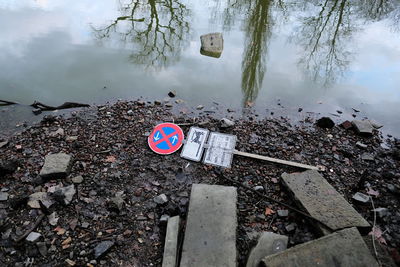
[155, 30]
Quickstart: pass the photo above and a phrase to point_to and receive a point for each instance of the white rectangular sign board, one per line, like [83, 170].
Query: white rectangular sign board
[193, 148]
[220, 149]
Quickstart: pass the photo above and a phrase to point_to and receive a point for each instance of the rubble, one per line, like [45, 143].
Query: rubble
[102, 248]
[56, 166]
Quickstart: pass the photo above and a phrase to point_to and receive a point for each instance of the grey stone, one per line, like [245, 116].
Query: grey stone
[118, 202]
[375, 124]
[210, 238]
[212, 44]
[71, 138]
[59, 132]
[344, 248]
[171, 243]
[381, 212]
[290, 227]
[367, 156]
[161, 199]
[360, 197]
[363, 127]
[283, 213]
[199, 107]
[3, 196]
[33, 236]
[42, 248]
[53, 219]
[130, 112]
[44, 197]
[66, 193]
[56, 166]
[322, 201]
[85, 225]
[259, 188]
[77, 179]
[225, 123]
[3, 144]
[102, 248]
[361, 145]
[269, 243]
[393, 189]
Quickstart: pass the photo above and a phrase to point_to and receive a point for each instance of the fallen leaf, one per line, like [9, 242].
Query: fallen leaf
[269, 211]
[110, 159]
[59, 230]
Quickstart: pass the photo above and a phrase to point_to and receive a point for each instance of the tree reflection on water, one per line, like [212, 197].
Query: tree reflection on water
[154, 30]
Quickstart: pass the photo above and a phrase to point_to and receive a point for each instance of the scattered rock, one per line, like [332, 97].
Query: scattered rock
[164, 218]
[199, 107]
[161, 199]
[102, 248]
[71, 138]
[225, 123]
[77, 179]
[42, 247]
[3, 196]
[56, 166]
[362, 198]
[259, 188]
[65, 194]
[375, 124]
[381, 212]
[392, 189]
[347, 125]
[367, 156]
[361, 145]
[33, 237]
[130, 112]
[8, 167]
[3, 144]
[325, 122]
[53, 219]
[363, 127]
[172, 94]
[44, 197]
[59, 132]
[118, 202]
[290, 227]
[283, 213]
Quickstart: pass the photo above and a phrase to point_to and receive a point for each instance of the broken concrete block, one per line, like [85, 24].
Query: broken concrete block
[322, 201]
[269, 243]
[344, 248]
[171, 243]
[363, 127]
[210, 238]
[56, 166]
[212, 44]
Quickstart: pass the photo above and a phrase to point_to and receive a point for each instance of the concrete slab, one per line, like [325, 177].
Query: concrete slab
[344, 248]
[212, 44]
[322, 201]
[363, 127]
[269, 243]
[210, 237]
[56, 166]
[171, 242]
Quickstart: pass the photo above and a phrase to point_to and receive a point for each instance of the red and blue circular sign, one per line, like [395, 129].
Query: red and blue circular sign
[166, 138]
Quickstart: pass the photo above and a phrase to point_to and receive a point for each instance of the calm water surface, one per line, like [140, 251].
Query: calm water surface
[321, 56]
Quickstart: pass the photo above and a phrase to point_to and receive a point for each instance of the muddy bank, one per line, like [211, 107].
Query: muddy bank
[113, 216]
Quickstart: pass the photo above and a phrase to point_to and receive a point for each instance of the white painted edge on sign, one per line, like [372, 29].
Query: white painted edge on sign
[189, 146]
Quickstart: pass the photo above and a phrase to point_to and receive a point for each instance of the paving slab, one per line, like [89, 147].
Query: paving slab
[171, 242]
[269, 243]
[322, 201]
[210, 237]
[56, 166]
[344, 248]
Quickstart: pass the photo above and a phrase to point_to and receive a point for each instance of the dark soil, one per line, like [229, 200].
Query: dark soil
[112, 155]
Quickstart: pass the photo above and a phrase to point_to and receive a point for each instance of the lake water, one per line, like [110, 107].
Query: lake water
[279, 56]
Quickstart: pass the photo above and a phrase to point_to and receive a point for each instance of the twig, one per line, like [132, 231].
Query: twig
[277, 201]
[373, 230]
[6, 103]
[39, 219]
[66, 105]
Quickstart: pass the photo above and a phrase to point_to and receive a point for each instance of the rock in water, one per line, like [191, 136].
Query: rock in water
[56, 166]
[325, 122]
[102, 248]
[363, 127]
[212, 44]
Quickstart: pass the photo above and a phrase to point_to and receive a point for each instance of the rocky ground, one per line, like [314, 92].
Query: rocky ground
[110, 209]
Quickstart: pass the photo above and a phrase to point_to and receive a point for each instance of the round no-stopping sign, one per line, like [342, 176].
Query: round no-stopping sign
[166, 138]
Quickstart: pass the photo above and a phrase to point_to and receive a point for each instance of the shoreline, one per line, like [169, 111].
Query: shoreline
[110, 151]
